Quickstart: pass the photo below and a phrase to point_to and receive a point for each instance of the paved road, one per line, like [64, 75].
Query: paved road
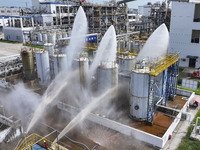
[7, 49]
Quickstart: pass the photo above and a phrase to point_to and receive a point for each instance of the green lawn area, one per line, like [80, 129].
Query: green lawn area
[34, 45]
[11, 42]
[188, 144]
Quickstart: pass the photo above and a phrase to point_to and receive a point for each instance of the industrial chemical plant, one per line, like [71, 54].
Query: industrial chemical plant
[84, 81]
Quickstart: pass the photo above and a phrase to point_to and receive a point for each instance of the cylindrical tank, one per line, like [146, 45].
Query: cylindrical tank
[39, 37]
[57, 63]
[107, 76]
[28, 64]
[50, 48]
[139, 95]
[44, 38]
[83, 70]
[52, 38]
[43, 68]
[122, 45]
[136, 48]
[63, 49]
[126, 64]
[131, 46]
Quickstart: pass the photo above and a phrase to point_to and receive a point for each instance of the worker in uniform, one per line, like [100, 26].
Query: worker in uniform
[45, 144]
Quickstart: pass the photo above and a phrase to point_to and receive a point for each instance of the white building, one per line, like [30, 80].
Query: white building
[9, 11]
[144, 10]
[18, 29]
[185, 32]
[133, 19]
[52, 12]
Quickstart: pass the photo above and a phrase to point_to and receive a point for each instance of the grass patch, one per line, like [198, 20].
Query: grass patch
[188, 144]
[196, 91]
[35, 46]
[11, 42]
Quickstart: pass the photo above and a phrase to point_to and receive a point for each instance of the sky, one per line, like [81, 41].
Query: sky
[22, 3]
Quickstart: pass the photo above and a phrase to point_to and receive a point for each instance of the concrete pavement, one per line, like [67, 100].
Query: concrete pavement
[180, 131]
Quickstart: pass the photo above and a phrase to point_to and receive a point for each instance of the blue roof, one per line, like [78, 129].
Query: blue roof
[56, 3]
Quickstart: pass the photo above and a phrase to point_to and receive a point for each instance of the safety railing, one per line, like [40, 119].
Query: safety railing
[125, 53]
[33, 139]
[164, 63]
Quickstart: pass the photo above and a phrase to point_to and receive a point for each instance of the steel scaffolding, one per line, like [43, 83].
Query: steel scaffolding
[164, 73]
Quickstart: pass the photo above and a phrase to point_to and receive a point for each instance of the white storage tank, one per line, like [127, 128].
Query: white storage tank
[39, 37]
[57, 63]
[82, 64]
[83, 70]
[139, 95]
[126, 64]
[43, 67]
[52, 38]
[50, 48]
[44, 37]
[107, 76]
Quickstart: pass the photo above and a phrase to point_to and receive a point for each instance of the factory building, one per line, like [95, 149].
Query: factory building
[7, 12]
[185, 32]
[151, 17]
[18, 28]
[61, 14]
[10, 11]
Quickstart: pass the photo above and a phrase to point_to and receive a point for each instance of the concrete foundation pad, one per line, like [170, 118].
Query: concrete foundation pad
[195, 135]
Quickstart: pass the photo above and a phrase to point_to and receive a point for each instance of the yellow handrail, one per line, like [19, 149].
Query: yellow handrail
[133, 54]
[34, 139]
[164, 63]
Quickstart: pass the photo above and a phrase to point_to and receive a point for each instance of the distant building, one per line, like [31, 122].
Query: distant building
[145, 10]
[19, 28]
[133, 20]
[185, 32]
[10, 11]
[151, 17]
[7, 13]
[60, 14]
